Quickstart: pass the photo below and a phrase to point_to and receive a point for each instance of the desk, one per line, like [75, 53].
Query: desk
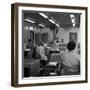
[62, 47]
[31, 67]
[50, 68]
[52, 51]
[54, 65]
[55, 57]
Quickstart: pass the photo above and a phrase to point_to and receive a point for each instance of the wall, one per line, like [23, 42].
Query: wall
[41, 31]
[50, 33]
[26, 32]
[64, 33]
[5, 45]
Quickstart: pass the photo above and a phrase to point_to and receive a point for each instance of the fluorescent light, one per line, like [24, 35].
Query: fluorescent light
[57, 25]
[51, 21]
[41, 25]
[71, 15]
[43, 15]
[28, 20]
[73, 24]
[73, 20]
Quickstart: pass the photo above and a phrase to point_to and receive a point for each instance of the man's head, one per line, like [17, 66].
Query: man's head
[71, 45]
[29, 40]
[40, 43]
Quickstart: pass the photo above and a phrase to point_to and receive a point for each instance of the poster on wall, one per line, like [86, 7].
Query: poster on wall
[41, 54]
[73, 37]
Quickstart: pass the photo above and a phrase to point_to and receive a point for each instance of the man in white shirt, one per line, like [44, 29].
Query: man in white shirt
[70, 60]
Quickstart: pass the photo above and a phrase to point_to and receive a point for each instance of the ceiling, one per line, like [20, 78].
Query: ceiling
[62, 18]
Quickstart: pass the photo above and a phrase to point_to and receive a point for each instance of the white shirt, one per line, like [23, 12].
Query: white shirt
[41, 51]
[71, 59]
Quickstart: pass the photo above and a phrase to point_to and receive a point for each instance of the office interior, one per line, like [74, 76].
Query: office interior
[54, 30]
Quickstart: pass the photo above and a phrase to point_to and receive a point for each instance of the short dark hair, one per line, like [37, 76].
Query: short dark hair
[29, 40]
[40, 43]
[71, 45]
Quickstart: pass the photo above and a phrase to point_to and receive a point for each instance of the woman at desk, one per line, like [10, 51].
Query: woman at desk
[70, 60]
[40, 51]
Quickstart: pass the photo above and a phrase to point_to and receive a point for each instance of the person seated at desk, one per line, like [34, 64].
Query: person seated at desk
[40, 51]
[70, 60]
[28, 50]
[29, 44]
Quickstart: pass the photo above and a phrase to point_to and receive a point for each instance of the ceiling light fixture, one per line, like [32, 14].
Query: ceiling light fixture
[43, 15]
[73, 20]
[57, 25]
[28, 20]
[51, 21]
[72, 16]
[41, 25]
[73, 24]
